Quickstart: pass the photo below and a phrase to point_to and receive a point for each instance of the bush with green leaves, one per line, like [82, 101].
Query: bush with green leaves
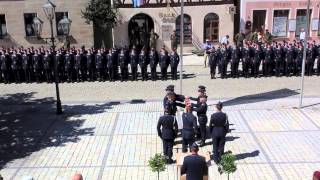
[227, 164]
[157, 163]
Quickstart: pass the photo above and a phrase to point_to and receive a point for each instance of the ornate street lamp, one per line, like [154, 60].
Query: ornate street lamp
[37, 24]
[64, 24]
[49, 10]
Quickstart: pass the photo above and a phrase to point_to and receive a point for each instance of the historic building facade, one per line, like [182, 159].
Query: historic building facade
[16, 18]
[202, 20]
[283, 18]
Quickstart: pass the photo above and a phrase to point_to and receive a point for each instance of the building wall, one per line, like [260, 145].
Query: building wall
[82, 33]
[247, 7]
[197, 14]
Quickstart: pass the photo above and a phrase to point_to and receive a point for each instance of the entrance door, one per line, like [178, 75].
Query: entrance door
[259, 19]
[139, 29]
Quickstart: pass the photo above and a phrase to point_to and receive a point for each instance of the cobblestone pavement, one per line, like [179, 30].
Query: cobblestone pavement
[270, 138]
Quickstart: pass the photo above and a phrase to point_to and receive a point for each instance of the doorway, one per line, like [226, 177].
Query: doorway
[259, 19]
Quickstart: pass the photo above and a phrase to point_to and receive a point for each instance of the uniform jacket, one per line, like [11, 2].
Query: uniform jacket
[195, 167]
[167, 127]
[189, 125]
[219, 124]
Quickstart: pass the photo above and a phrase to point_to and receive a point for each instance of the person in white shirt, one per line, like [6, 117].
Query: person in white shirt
[225, 40]
[302, 35]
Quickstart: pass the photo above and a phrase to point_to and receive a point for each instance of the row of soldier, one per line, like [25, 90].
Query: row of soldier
[278, 58]
[28, 65]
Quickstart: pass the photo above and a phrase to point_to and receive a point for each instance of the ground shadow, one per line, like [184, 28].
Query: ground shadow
[247, 155]
[26, 125]
[277, 94]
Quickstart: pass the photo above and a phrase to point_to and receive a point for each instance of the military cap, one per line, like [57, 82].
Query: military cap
[219, 104]
[170, 88]
[195, 147]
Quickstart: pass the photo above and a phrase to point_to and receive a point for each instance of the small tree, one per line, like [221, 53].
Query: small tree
[157, 163]
[227, 164]
[100, 13]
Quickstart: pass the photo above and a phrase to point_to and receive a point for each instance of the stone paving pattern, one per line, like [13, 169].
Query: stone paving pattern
[271, 139]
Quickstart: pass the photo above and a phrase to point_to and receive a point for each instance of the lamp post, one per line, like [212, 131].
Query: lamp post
[49, 10]
[181, 42]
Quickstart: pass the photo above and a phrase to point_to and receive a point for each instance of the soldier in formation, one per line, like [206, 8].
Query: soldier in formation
[28, 65]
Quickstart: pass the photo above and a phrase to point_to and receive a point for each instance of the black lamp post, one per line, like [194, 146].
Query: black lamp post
[49, 10]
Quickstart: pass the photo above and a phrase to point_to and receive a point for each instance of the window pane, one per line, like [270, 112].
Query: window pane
[187, 26]
[211, 27]
[59, 16]
[28, 21]
[3, 25]
[302, 20]
[280, 23]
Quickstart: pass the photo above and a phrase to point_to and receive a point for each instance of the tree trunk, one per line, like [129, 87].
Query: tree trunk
[228, 176]
[158, 175]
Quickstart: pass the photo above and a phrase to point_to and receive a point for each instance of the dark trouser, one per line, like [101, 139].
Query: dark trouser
[27, 75]
[154, 73]
[278, 68]
[224, 67]
[256, 66]
[218, 147]
[203, 127]
[289, 67]
[268, 68]
[124, 73]
[111, 73]
[318, 66]
[174, 73]
[92, 74]
[70, 74]
[134, 74]
[164, 73]
[16, 74]
[38, 74]
[168, 147]
[77, 71]
[101, 74]
[144, 72]
[309, 68]
[48, 73]
[234, 69]
[83, 74]
[5, 75]
[213, 70]
[186, 143]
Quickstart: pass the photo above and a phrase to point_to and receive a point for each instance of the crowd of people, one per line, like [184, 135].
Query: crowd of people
[75, 65]
[275, 59]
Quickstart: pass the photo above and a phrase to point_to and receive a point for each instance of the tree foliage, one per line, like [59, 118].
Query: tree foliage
[227, 163]
[157, 163]
[100, 13]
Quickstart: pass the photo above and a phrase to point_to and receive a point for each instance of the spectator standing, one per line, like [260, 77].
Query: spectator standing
[206, 47]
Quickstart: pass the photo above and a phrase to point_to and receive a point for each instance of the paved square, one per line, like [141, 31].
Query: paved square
[270, 138]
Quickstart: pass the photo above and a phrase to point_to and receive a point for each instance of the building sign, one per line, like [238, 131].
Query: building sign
[166, 32]
[292, 25]
[168, 17]
[314, 24]
[280, 26]
[282, 4]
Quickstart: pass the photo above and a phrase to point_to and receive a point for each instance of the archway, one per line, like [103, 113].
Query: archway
[211, 27]
[187, 26]
[139, 28]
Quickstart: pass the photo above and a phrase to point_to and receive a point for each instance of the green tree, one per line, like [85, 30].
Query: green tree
[100, 13]
[157, 163]
[227, 164]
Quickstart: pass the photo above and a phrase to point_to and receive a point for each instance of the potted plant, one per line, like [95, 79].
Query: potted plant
[227, 164]
[157, 163]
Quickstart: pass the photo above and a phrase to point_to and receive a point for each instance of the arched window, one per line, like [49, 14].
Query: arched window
[211, 27]
[187, 26]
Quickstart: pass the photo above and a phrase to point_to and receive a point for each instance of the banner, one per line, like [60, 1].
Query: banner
[280, 26]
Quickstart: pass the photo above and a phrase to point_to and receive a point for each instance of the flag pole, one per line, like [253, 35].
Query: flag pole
[181, 42]
[304, 55]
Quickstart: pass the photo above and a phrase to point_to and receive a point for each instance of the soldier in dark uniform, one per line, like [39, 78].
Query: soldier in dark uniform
[122, 60]
[16, 66]
[246, 60]
[268, 61]
[299, 60]
[37, 66]
[257, 60]
[177, 97]
[194, 166]
[201, 109]
[110, 66]
[153, 59]
[309, 61]
[78, 65]
[174, 62]
[114, 56]
[289, 52]
[143, 65]
[47, 63]
[69, 66]
[83, 65]
[133, 64]
[170, 103]
[189, 128]
[163, 64]
[26, 66]
[278, 60]
[235, 58]
[99, 66]
[167, 130]
[224, 61]
[318, 61]
[219, 127]
[4, 67]
[91, 65]
[213, 61]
